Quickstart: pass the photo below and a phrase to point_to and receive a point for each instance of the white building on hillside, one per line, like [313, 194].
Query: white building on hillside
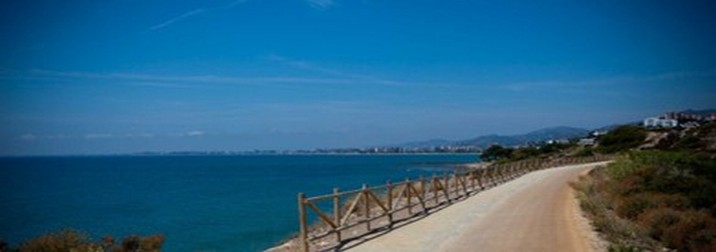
[587, 141]
[655, 122]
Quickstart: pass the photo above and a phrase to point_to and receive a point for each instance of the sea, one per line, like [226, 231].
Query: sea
[199, 203]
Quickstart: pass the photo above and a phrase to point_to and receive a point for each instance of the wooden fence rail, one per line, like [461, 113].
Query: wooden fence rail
[383, 206]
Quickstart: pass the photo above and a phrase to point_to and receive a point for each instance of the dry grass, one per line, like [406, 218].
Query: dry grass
[623, 234]
[651, 200]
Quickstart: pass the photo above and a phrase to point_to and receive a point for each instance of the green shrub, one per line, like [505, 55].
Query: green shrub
[524, 153]
[69, 240]
[622, 167]
[623, 248]
[631, 207]
[144, 244]
[690, 175]
[586, 151]
[621, 139]
[61, 241]
[657, 220]
[495, 152]
[4, 246]
[688, 142]
[695, 231]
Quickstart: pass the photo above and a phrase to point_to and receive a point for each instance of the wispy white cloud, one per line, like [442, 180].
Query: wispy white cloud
[195, 133]
[157, 84]
[316, 4]
[33, 137]
[58, 137]
[108, 136]
[191, 81]
[321, 4]
[177, 19]
[192, 13]
[305, 65]
[98, 136]
[604, 83]
[28, 137]
[140, 135]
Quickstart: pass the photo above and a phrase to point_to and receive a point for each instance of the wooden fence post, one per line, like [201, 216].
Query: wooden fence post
[446, 187]
[337, 212]
[366, 209]
[422, 193]
[472, 180]
[521, 168]
[302, 222]
[481, 174]
[491, 175]
[389, 187]
[498, 173]
[435, 189]
[486, 177]
[506, 172]
[408, 186]
[464, 184]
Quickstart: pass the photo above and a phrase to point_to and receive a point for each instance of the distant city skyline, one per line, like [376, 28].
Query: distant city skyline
[79, 77]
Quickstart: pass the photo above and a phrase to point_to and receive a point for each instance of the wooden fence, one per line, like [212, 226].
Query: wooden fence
[380, 207]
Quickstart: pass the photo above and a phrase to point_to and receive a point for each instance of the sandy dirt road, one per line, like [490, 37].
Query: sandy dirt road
[536, 212]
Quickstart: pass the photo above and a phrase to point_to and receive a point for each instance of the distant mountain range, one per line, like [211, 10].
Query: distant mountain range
[505, 140]
[699, 112]
[552, 133]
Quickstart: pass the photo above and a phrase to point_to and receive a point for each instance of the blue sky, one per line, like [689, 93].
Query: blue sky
[88, 77]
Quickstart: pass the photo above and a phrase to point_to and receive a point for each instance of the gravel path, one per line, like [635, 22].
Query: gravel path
[536, 212]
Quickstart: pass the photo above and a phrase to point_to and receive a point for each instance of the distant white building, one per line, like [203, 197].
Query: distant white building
[597, 133]
[655, 122]
[690, 125]
[557, 141]
[586, 141]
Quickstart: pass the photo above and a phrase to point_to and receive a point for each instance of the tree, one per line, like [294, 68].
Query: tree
[495, 152]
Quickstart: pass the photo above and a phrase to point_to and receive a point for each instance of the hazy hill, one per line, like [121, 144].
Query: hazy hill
[534, 136]
[506, 140]
[561, 132]
[426, 144]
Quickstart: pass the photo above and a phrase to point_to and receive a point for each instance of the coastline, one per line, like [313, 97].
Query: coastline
[178, 189]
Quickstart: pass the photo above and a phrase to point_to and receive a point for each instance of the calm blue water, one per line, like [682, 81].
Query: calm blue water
[200, 203]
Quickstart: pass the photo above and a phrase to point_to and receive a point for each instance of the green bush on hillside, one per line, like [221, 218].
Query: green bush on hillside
[585, 151]
[621, 139]
[70, 240]
[497, 152]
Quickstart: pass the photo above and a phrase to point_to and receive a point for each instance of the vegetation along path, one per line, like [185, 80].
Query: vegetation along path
[536, 212]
